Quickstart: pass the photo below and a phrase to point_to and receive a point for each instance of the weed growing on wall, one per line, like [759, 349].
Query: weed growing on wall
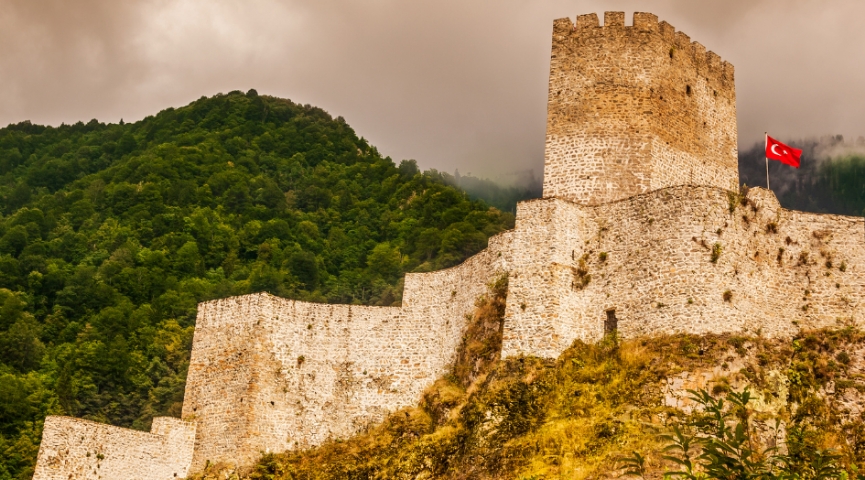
[716, 252]
[577, 417]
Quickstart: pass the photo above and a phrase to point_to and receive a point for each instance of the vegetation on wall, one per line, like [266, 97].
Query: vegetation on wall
[599, 411]
[111, 234]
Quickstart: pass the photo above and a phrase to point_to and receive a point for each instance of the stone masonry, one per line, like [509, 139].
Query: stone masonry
[269, 374]
[73, 448]
[682, 259]
[635, 108]
[642, 230]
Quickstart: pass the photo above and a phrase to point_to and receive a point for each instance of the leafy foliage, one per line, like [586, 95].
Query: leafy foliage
[111, 234]
[721, 444]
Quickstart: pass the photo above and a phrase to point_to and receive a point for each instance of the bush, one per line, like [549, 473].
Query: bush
[720, 442]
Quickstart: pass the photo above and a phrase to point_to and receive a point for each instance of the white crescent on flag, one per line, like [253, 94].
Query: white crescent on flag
[776, 150]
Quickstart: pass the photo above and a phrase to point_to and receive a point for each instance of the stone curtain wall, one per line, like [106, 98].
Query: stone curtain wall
[546, 231]
[81, 449]
[635, 108]
[269, 374]
[775, 270]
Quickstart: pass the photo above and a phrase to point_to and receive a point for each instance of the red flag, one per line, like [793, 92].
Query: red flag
[776, 150]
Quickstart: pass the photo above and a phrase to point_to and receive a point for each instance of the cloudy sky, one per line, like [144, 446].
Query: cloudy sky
[451, 83]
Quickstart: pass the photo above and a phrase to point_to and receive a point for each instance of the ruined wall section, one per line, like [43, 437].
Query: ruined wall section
[223, 375]
[635, 108]
[451, 294]
[81, 449]
[541, 274]
[650, 259]
[269, 374]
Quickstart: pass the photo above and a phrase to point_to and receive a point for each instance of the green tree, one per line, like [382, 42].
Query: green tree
[111, 234]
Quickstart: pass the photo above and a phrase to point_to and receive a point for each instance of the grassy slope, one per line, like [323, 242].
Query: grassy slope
[576, 416]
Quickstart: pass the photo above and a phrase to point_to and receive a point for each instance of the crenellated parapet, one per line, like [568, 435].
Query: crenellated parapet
[707, 63]
[635, 108]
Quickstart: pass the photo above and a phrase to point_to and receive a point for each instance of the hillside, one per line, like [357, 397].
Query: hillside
[585, 414]
[112, 233]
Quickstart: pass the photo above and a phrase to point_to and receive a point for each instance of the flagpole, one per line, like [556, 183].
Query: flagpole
[765, 145]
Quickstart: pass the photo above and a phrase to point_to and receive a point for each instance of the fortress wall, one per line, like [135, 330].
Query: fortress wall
[660, 256]
[659, 277]
[546, 242]
[824, 256]
[81, 449]
[629, 105]
[223, 371]
[454, 291]
[675, 167]
[654, 266]
[270, 374]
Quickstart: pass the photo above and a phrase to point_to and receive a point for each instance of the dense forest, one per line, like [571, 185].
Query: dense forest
[112, 233]
[830, 179]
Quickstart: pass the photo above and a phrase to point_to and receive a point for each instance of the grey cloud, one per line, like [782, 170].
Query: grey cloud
[453, 84]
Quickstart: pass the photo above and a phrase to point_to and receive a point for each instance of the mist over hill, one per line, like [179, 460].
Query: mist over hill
[831, 178]
[504, 192]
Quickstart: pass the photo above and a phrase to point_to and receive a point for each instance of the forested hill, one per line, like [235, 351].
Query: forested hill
[831, 177]
[111, 234]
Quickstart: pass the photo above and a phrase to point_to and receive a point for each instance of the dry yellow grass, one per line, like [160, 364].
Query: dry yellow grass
[572, 418]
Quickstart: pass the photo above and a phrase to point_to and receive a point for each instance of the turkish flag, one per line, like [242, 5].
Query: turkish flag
[776, 150]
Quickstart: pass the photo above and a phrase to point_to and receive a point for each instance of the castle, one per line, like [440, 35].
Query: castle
[641, 229]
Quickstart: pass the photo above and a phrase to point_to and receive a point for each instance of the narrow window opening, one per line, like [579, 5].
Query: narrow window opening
[611, 324]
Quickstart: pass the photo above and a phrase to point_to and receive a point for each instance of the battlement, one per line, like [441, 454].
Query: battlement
[634, 108]
[709, 63]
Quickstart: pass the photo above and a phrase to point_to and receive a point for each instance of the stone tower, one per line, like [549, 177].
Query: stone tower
[633, 109]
